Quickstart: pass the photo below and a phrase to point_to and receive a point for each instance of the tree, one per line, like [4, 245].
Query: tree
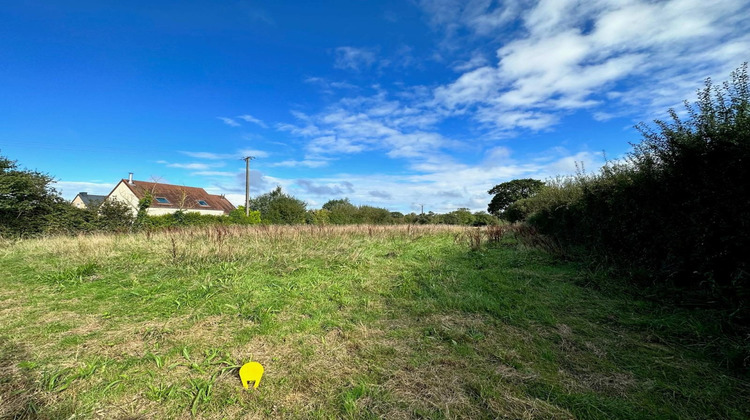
[342, 212]
[373, 215]
[333, 203]
[317, 217]
[507, 193]
[114, 216]
[461, 216]
[277, 207]
[482, 218]
[26, 199]
[426, 218]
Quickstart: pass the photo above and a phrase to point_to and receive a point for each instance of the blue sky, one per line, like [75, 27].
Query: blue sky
[389, 103]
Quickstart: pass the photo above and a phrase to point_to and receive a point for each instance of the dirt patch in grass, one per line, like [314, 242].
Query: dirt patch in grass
[212, 330]
[89, 324]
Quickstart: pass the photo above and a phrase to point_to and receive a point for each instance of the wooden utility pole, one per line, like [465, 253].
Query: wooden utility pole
[247, 160]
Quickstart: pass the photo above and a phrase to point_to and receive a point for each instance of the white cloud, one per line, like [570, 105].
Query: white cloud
[478, 85]
[205, 155]
[224, 156]
[228, 121]
[571, 54]
[307, 129]
[381, 194]
[371, 124]
[483, 17]
[476, 60]
[196, 166]
[252, 152]
[214, 173]
[69, 189]
[328, 86]
[310, 187]
[232, 122]
[249, 118]
[351, 58]
[331, 145]
[307, 163]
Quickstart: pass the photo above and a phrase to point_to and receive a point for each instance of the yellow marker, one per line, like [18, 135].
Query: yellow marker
[249, 372]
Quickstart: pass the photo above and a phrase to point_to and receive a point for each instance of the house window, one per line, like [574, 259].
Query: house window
[203, 203]
[162, 200]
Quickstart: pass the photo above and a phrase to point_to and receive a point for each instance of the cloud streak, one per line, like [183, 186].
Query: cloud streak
[232, 122]
[229, 121]
[301, 163]
[352, 58]
[225, 156]
[343, 187]
[249, 118]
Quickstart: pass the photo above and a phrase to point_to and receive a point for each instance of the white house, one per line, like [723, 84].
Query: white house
[85, 200]
[169, 198]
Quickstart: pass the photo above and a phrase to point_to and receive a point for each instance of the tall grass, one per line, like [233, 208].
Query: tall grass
[349, 322]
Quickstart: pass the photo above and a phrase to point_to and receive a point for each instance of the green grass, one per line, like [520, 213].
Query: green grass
[349, 322]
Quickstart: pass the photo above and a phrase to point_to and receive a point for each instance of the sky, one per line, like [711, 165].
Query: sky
[395, 104]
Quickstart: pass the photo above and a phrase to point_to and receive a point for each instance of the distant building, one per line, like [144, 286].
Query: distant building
[168, 198]
[85, 200]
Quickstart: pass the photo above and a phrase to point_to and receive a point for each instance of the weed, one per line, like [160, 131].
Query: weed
[472, 237]
[162, 392]
[57, 380]
[75, 275]
[201, 393]
[159, 360]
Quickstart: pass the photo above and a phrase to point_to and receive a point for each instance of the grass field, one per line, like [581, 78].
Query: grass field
[358, 322]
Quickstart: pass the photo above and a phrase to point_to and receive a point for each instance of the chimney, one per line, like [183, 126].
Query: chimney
[83, 193]
[130, 178]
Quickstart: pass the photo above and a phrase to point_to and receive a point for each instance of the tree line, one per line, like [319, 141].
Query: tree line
[30, 205]
[278, 207]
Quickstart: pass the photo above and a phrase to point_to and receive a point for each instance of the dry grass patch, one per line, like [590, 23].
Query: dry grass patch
[19, 397]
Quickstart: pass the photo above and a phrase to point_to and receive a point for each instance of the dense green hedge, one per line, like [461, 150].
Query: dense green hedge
[678, 208]
[181, 218]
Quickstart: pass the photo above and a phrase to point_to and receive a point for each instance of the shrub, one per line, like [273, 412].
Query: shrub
[342, 213]
[460, 216]
[238, 217]
[114, 216]
[482, 218]
[277, 207]
[678, 206]
[192, 218]
[27, 200]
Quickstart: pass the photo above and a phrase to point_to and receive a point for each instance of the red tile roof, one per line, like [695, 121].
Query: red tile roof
[179, 196]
